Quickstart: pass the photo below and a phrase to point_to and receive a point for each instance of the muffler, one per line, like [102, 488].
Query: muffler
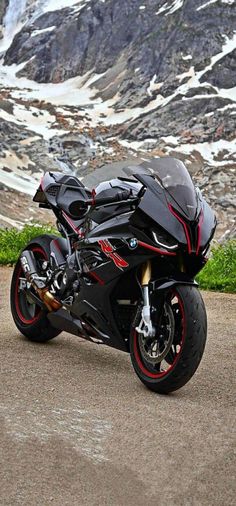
[29, 267]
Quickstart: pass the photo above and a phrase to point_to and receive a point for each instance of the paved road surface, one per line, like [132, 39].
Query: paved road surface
[78, 428]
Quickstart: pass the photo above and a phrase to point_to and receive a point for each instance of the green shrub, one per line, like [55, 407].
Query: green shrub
[220, 270]
[12, 241]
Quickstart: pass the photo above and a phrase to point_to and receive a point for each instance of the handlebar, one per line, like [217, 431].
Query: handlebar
[79, 207]
[101, 201]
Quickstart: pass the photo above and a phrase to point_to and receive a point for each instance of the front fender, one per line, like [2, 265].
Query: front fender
[168, 282]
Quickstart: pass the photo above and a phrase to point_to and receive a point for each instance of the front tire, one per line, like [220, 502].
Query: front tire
[188, 343]
[30, 319]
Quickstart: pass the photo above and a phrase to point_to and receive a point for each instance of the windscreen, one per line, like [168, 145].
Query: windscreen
[174, 177]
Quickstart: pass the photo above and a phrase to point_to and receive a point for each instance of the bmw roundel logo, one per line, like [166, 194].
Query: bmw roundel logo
[133, 243]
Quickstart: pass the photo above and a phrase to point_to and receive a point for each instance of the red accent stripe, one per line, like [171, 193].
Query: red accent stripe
[108, 249]
[137, 355]
[70, 222]
[199, 232]
[185, 227]
[157, 250]
[41, 181]
[55, 241]
[93, 196]
[95, 276]
[118, 261]
[105, 246]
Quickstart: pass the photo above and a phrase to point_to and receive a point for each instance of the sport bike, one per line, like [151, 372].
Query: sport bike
[122, 271]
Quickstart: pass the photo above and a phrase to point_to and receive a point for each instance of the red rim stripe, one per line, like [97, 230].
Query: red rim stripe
[164, 373]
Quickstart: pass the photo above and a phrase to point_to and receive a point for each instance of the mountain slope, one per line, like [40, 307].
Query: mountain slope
[128, 78]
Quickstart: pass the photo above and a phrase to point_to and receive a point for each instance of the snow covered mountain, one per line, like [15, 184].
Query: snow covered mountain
[85, 82]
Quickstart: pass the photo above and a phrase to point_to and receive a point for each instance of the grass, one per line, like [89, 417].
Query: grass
[12, 241]
[218, 274]
[220, 271]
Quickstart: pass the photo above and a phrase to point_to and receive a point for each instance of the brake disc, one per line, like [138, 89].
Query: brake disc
[155, 349]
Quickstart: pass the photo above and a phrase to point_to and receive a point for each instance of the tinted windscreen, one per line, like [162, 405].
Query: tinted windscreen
[174, 177]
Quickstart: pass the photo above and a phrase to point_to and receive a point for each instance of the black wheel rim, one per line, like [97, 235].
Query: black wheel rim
[162, 368]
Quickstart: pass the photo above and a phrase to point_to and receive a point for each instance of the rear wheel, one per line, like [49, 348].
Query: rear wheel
[31, 319]
[168, 360]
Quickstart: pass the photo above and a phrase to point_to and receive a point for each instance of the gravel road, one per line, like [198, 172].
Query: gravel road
[78, 428]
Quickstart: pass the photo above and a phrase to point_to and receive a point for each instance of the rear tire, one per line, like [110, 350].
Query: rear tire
[30, 319]
[180, 367]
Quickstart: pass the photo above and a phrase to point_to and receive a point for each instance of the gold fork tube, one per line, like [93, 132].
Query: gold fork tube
[146, 273]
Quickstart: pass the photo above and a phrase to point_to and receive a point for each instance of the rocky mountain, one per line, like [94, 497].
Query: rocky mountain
[85, 82]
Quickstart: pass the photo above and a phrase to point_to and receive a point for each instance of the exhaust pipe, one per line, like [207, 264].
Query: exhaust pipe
[30, 270]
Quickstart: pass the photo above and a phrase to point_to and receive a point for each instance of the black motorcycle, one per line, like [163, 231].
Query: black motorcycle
[122, 271]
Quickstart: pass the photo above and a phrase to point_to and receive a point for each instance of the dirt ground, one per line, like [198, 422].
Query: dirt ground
[78, 428]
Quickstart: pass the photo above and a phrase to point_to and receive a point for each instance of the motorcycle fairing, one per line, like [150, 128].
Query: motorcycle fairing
[159, 212]
[96, 303]
[188, 219]
[171, 175]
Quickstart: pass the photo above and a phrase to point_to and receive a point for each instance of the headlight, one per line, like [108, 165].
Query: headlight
[164, 240]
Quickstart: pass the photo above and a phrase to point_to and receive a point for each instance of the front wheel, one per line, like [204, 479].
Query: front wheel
[168, 360]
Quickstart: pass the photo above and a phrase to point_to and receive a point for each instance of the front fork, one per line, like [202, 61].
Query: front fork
[145, 326]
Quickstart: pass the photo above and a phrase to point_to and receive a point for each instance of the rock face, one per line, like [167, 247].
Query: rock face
[3, 7]
[142, 40]
[159, 48]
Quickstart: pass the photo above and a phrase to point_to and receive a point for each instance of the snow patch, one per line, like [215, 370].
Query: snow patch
[15, 176]
[222, 109]
[138, 145]
[12, 22]
[194, 81]
[19, 12]
[38, 121]
[150, 87]
[189, 73]
[210, 2]
[228, 47]
[55, 5]
[177, 4]
[206, 4]
[227, 93]
[210, 151]
[170, 139]
[164, 8]
[171, 8]
[187, 57]
[39, 32]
